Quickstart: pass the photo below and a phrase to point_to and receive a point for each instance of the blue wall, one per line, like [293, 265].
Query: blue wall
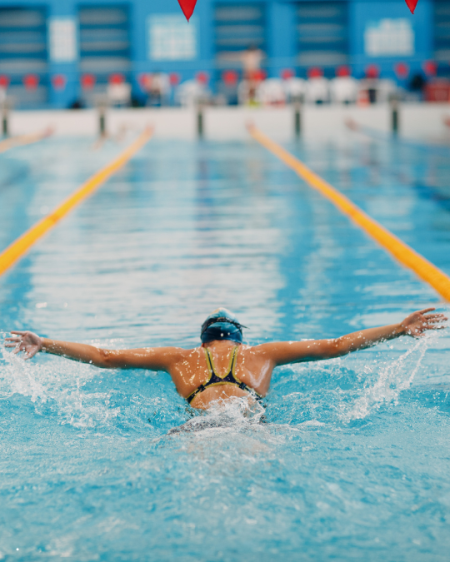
[362, 13]
[280, 37]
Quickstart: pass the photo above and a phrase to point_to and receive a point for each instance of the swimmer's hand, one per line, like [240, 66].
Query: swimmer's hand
[27, 342]
[417, 323]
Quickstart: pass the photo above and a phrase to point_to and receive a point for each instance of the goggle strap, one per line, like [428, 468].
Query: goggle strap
[212, 321]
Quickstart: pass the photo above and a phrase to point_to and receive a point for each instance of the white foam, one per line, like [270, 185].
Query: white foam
[392, 379]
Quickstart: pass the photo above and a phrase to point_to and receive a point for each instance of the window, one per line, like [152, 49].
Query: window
[170, 38]
[236, 28]
[104, 41]
[322, 34]
[442, 35]
[23, 51]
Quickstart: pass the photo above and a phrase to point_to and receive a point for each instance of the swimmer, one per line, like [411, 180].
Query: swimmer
[224, 367]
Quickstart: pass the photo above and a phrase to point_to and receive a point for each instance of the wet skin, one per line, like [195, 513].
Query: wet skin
[255, 364]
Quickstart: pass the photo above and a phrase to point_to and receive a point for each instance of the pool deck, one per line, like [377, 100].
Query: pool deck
[425, 121]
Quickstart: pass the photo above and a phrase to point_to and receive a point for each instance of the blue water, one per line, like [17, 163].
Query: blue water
[353, 460]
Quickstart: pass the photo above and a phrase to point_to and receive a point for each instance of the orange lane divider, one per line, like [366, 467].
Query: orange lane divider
[23, 140]
[18, 248]
[401, 251]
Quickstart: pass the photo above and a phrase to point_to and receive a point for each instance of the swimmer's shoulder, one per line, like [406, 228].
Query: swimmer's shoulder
[253, 351]
[260, 349]
[275, 352]
[180, 354]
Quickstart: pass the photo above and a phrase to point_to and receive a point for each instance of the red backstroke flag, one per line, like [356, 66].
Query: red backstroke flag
[411, 5]
[188, 7]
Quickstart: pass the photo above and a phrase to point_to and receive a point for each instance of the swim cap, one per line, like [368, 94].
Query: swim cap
[221, 325]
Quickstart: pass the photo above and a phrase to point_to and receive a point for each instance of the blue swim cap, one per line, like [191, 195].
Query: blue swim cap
[221, 325]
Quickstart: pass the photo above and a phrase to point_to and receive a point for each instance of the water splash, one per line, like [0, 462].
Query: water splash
[236, 413]
[18, 378]
[56, 389]
[392, 380]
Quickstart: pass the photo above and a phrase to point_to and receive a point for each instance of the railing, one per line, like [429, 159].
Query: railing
[217, 84]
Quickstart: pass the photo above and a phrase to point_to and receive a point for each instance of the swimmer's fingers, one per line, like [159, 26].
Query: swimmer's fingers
[19, 347]
[422, 331]
[14, 342]
[436, 320]
[422, 320]
[21, 344]
[29, 351]
[430, 326]
[17, 332]
[425, 310]
[437, 325]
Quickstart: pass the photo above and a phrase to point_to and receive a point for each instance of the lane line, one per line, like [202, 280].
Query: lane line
[23, 140]
[20, 246]
[401, 251]
[372, 133]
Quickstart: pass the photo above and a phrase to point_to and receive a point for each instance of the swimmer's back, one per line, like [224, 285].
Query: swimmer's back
[191, 370]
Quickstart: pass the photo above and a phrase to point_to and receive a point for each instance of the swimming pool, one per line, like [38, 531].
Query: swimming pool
[353, 460]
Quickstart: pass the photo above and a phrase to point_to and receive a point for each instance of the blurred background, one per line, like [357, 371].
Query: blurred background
[66, 54]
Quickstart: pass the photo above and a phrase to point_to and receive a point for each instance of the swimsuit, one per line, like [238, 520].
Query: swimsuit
[216, 380]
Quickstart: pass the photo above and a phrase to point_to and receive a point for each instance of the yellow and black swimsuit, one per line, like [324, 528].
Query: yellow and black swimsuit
[228, 378]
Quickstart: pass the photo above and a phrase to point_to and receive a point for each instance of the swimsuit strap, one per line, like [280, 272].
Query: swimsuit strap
[231, 364]
[228, 378]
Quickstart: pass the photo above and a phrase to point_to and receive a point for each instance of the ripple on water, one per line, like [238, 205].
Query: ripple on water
[345, 459]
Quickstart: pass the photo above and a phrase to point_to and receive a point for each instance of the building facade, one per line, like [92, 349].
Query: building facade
[51, 49]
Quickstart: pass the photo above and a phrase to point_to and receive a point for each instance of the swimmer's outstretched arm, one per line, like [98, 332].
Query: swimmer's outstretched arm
[415, 325]
[153, 358]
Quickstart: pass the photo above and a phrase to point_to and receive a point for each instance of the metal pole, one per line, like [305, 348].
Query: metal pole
[102, 103]
[200, 130]
[298, 120]
[395, 116]
[5, 112]
[102, 121]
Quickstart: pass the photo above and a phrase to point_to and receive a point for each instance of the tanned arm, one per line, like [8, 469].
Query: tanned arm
[415, 325]
[155, 359]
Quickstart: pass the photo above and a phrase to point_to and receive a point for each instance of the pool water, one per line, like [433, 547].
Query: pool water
[349, 459]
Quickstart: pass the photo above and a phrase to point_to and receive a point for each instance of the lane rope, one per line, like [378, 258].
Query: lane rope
[18, 248]
[23, 140]
[352, 125]
[401, 251]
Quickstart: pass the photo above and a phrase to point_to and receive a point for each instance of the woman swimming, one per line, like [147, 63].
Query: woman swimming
[223, 367]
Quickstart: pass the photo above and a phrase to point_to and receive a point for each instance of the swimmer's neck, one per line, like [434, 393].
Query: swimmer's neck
[220, 345]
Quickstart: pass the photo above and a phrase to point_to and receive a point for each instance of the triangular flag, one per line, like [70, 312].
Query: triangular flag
[188, 7]
[411, 5]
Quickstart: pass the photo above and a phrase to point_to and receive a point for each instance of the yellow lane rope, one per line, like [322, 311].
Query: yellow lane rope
[23, 140]
[401, 251]
[18, 248]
